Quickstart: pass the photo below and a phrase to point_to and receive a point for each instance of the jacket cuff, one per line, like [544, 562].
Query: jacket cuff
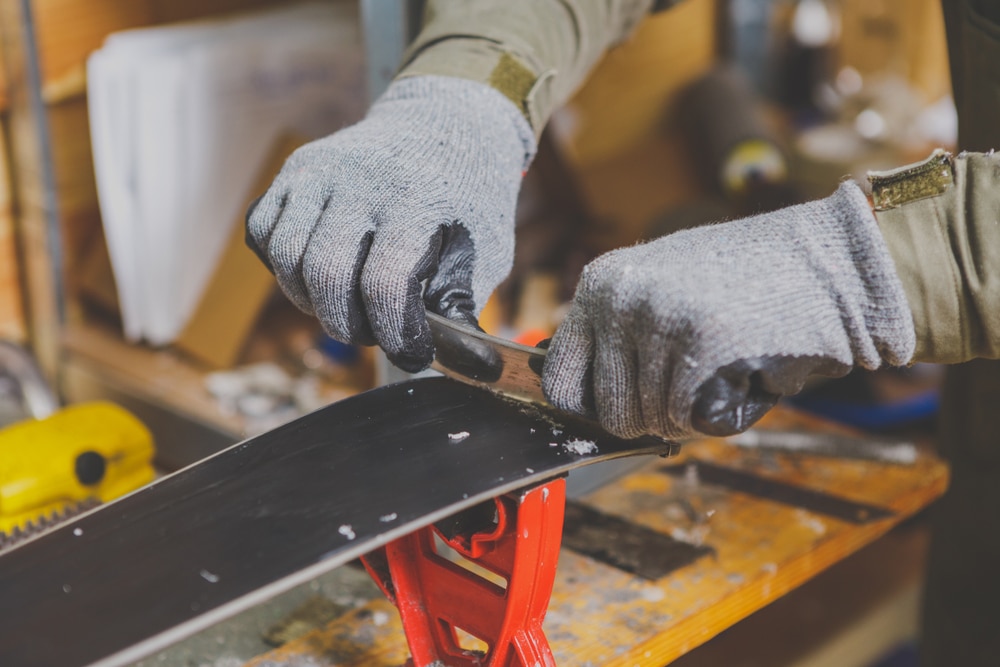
[485, 61]
[938, 218]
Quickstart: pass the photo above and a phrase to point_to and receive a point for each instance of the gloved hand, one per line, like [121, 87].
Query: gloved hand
[422, 190]
[703, 330]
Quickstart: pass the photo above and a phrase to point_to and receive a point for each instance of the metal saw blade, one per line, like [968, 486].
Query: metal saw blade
[486, 361]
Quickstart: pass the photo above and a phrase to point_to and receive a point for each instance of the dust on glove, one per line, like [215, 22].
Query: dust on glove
[703, 330]
[411, 208]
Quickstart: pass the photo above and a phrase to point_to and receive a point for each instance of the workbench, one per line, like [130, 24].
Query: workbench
[700, 555]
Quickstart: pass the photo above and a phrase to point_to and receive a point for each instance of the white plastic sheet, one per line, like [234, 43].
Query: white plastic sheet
[182, 118]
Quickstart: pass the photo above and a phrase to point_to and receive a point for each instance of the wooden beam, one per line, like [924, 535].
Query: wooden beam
[34, 197]
[12, 324]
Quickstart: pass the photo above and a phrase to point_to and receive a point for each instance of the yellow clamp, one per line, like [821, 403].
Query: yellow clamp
[83, 454]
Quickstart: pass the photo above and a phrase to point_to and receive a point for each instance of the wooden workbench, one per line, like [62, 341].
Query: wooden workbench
[760, 550]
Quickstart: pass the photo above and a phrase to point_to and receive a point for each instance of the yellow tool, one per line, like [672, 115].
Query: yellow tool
[72, 460]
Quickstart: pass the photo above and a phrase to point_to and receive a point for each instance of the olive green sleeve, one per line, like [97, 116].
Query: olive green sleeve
[941, 221]
[535, 52]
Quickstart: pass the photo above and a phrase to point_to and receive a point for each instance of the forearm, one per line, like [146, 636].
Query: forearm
[535, 52]
[941, 222]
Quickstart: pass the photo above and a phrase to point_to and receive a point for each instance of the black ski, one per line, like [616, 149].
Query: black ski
[141, 573]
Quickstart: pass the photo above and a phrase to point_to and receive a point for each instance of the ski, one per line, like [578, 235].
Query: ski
[132, 577]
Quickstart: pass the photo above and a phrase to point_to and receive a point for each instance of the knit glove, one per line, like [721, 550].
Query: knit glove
[703, 330]
[413, 207]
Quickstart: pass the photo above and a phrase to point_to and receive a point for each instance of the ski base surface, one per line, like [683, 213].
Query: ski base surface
[145, 571]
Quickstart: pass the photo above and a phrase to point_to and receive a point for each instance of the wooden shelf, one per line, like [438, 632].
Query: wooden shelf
[161, 376]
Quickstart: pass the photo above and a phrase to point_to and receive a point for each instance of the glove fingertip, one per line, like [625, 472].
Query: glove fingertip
[729, 402]
[249, 237]
[417, 353]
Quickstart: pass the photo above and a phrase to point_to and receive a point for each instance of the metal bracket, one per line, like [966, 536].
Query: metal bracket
[437, 597]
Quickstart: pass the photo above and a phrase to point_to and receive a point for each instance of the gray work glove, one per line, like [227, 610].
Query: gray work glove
[413, 207]
[703, 330]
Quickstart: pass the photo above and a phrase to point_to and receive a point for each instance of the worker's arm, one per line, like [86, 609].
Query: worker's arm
[535, 52]
[941, 221]
[413, 207]
[703, 330]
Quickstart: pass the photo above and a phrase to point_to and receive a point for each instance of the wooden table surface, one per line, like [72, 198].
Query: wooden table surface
[602, 615]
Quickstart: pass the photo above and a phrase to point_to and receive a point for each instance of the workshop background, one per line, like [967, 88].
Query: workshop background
[134, 133]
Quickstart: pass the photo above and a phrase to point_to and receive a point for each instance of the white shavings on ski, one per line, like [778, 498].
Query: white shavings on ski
[580, 447]
[533, 410]
[458, 437]
[557, 432]
[380, 618]
[410, 392]
[347, 531]
[386, 518]
[553, 444]
[209, 577]
[78, 531]
[530, 470]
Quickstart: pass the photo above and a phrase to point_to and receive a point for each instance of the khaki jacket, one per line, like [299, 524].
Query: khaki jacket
[940, 218]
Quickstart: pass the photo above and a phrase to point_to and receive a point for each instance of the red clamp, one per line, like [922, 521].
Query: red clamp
[436, 596]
